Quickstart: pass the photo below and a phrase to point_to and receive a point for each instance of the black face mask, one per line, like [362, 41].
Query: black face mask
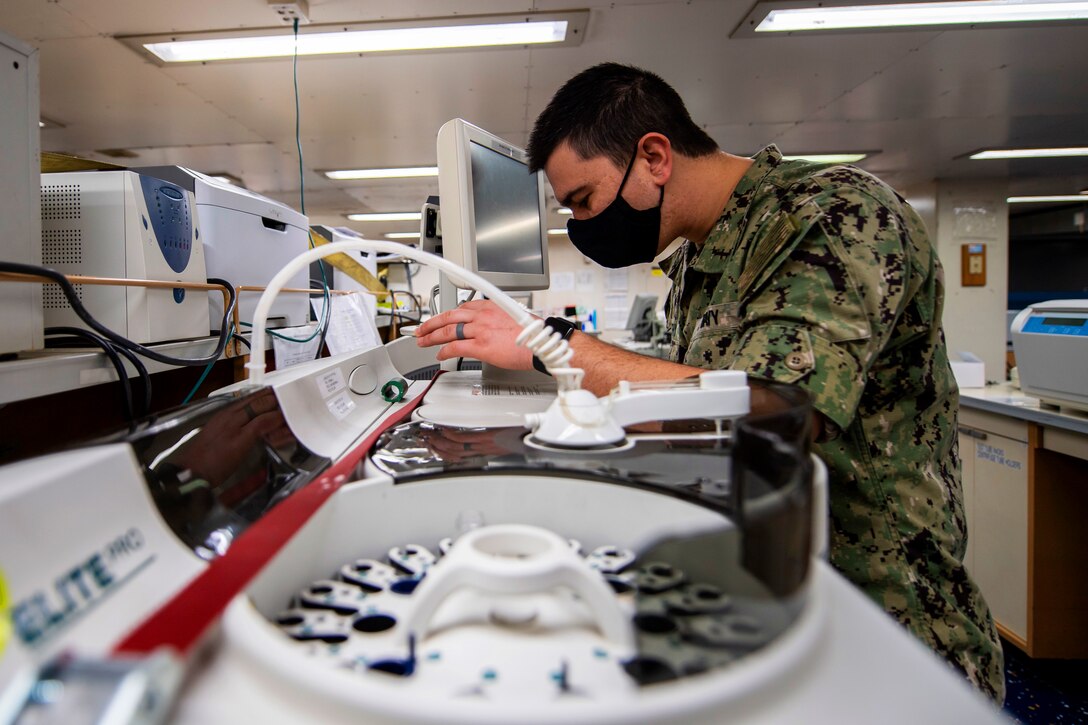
[619, 236]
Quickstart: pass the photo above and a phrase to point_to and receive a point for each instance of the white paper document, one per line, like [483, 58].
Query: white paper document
[615, 280]
[616, 308]
[288, 352]
[351, 327]
[562, 281]
[585, 280]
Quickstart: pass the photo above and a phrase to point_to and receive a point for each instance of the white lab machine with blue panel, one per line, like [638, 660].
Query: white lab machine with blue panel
[1051, 343]
[122, 224]
[247, 238]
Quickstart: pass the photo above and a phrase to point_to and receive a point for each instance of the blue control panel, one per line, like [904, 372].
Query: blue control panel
[171, 220]
[1057, 324]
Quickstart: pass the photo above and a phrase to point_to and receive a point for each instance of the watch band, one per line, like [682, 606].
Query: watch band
[563, 326]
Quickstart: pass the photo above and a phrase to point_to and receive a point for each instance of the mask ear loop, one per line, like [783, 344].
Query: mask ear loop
[631, 165]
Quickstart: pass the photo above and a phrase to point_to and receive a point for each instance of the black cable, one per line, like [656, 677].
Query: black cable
[145, 378]
[81, 311]
[324, 325]
[137, 364]
[403, 316]
[393, 294]
[302, 195]
[114, 358]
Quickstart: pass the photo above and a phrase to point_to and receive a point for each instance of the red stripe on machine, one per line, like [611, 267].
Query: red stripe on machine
[182, 621]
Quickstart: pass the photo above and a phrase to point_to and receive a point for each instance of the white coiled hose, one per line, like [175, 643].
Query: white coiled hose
[553, 351]
[544, 342]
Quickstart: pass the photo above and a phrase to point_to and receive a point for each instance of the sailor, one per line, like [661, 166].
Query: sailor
[812, 274]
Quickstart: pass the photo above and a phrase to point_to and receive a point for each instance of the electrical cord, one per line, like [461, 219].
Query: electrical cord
[403, 317]
[133, 359]
[204, 375]
[112, 355]
[418, 308]
[326, 309]
[326, 312]
[302, 203]
[145, 378]
[81, 311]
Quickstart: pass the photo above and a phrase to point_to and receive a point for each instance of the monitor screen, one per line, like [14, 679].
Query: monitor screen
[507, 215]
[493, 215]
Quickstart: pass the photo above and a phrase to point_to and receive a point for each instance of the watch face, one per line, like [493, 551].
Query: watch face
[562, 326]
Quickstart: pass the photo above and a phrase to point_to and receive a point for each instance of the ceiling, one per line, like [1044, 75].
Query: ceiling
[922, 99]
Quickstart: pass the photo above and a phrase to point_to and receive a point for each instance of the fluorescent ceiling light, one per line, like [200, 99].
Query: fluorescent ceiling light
[402, 235]
[920, 14]
[402, 173]
[828, 158]
[395, 216]
[439, 34]
[1037, 199]
[1030, 153]
[557, 232]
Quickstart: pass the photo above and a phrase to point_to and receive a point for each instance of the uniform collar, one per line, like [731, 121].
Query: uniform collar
[724, 236]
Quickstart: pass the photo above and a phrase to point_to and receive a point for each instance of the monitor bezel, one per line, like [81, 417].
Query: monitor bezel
[457, 210]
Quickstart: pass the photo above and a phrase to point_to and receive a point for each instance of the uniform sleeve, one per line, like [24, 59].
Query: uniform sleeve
[824, 315]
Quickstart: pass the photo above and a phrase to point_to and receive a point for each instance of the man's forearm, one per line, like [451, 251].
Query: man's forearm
[605, 365]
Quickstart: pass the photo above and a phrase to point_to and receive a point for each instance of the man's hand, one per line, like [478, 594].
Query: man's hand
[489, 335]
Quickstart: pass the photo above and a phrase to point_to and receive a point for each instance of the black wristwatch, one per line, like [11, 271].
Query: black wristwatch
[564, 327]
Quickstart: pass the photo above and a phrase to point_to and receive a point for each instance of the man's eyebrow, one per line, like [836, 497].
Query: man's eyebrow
[566, 200]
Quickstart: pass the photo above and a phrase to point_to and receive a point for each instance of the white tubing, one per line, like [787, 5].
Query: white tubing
[547, 344]
[552, 350]
[256, 366]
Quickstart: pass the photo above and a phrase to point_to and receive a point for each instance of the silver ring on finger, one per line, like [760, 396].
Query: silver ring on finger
[460, 331]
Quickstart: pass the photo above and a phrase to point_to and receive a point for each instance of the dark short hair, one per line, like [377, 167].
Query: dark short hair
[606, 109]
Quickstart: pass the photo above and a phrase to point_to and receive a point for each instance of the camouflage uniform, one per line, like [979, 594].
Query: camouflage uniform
[824, 277]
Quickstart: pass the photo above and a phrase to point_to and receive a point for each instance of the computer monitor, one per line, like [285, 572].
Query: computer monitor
[494, 220]
[641, 318]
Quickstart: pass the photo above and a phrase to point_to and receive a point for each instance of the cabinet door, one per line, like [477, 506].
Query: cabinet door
[999, 529]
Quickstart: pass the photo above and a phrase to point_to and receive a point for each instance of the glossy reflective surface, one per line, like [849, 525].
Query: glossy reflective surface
[216, 466]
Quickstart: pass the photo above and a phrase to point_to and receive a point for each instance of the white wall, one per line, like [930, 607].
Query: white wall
[958, 212]
[593, 287]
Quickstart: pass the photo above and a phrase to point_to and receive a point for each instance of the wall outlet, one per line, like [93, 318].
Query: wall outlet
[289, 11]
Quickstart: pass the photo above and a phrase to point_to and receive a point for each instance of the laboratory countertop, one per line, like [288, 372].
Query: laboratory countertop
[1005, 399]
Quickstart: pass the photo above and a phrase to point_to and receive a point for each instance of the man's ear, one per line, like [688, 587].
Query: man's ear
[658, 152]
